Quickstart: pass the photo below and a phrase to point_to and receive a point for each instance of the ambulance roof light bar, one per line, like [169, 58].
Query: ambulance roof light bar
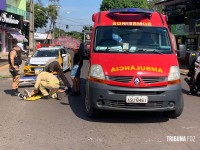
[131, 10]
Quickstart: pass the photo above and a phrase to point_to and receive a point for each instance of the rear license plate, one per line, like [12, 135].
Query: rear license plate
[136, 99]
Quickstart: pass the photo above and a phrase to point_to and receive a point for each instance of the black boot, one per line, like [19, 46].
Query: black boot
[22, 96]
[46, 97]
[68, 90]
[59, 96]
[15, 92]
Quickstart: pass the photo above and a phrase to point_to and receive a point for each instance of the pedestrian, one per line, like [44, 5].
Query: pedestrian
[76, 70]
[47, 84]
[14, 60]
[53, 65]
[197, 67]
[38, 45]
[194, 87]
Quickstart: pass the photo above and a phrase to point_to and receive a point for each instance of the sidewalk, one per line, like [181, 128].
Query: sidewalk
[3, 59]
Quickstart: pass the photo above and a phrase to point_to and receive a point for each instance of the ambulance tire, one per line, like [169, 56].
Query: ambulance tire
[177, 112]
[89, 110]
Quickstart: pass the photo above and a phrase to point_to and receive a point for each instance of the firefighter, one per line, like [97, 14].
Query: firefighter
[14, 60]
[46, 81]
[52, 65]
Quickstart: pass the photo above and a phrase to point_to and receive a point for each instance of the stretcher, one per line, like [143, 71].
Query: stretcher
[34, 97]
[27, 80]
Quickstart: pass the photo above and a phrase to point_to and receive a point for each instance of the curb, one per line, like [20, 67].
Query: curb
[4, 66]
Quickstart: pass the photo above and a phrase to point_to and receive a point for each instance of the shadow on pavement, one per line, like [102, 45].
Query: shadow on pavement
[9, 92]
[77, 105]
[184, 91]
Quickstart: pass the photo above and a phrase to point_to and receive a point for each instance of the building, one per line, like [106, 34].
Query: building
[184, 21]
[42, 38]
[13, 15]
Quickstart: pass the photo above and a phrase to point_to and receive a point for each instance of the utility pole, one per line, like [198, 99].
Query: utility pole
[31, 27]
[54, 19]
[59, 30]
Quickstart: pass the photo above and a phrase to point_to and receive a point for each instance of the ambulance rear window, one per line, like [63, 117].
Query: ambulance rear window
[132, 39]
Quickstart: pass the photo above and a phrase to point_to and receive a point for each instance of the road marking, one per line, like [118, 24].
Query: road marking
[3, 67]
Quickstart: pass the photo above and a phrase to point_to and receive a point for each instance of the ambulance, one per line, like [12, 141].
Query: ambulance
[133, 64]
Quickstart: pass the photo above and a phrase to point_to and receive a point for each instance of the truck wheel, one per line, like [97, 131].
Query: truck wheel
[90, 112]
[177, 112]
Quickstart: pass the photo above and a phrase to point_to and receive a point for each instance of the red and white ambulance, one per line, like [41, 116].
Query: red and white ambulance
[133, 64]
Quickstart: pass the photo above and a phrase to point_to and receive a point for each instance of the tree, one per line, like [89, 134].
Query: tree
[109, 4]
[87, 28]
[60, 32]
[151, 5]
[76, 35]
[52, 14]
[40, 17]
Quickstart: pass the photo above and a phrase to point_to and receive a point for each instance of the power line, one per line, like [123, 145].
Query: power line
[40, 2]
[77, 19]
[71, 20]
[74, 24]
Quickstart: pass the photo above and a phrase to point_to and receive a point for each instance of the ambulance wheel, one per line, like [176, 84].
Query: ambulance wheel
[89, 110]
[177, 112]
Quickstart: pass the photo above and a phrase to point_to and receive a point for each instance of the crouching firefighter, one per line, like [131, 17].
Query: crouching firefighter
[52, 65]
[14, 60]
[47, 84]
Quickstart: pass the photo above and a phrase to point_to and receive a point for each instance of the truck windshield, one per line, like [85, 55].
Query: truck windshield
[132, 39]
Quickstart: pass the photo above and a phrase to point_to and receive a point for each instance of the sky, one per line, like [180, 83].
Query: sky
[74, 13]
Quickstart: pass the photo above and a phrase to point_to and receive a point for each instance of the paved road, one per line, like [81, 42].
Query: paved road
[63, 125]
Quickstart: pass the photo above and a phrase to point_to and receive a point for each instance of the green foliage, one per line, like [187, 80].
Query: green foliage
[151, 5]
[75, 34]
[40, 17]
[60, 32]
[5, 76]
[87, 28]
[109, 4]
[139, 3]
[52, 12]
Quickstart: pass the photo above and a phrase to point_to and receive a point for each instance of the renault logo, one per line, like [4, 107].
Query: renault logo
[137, 81]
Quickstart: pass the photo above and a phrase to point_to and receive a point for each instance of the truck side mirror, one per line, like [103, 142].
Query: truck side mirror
[181, 52]
[84, 51]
